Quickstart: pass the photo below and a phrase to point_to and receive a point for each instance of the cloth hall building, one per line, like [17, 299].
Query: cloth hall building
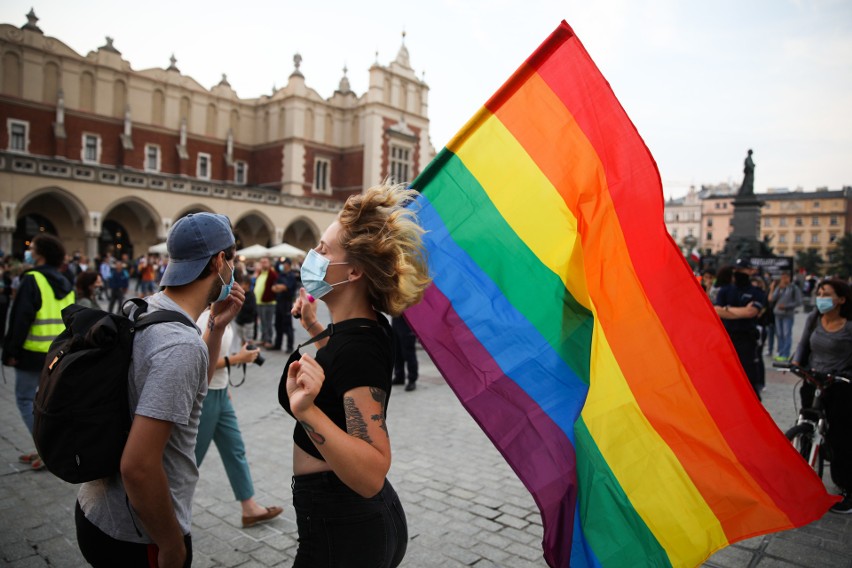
[105, 156]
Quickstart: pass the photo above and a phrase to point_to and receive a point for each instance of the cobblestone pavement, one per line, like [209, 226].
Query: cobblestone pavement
[465, 507]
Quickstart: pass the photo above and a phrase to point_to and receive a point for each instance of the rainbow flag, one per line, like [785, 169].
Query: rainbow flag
[569, 325]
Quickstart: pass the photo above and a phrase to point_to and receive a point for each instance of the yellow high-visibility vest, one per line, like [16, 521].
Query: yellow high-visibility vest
[48, 321]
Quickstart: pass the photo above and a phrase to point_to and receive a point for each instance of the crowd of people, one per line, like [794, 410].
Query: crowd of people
[758, 312]
[369, 263]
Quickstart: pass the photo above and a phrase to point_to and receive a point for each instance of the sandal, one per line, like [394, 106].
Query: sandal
[37, 464]
[27, 458]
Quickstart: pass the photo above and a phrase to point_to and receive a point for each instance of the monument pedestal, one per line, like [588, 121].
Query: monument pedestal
[744, 241]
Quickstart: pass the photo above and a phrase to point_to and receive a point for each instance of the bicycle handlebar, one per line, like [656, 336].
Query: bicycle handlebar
[816, 378]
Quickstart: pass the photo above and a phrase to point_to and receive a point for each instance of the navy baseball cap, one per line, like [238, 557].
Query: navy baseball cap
[191, 242]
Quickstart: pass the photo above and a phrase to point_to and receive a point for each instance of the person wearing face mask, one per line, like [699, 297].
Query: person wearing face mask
[219, 424]
[368, 262]
[826, 346]
[34, 322]
[141, 516]
[738, 305]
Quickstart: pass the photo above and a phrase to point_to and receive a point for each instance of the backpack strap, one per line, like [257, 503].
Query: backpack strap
[135, 309]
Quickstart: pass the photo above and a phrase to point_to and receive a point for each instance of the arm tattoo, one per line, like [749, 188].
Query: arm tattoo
[315, 436]
[355, 424]
[379, 396]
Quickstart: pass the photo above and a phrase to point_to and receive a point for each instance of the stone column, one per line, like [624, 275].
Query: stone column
[7, 226]
[92, 245]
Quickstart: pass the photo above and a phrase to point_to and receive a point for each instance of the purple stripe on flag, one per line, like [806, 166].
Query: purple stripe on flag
[533, 445]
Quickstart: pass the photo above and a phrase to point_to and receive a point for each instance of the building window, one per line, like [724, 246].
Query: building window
[799, 221]
[689, 231]
[710, 222]
[767, 222]
[724, 206]
[400, 165]
[782, 222]
[815, 221]
[322, 176]
[782, 238]
[816, 204]
[152, 158]
[674, 233]
[814, 238]
[798, 238]
[718, 206]
[202, 166]
[240, 172]
[709, 236]
[832, 237]
[19, 135]
[833, 221]
[91, 148]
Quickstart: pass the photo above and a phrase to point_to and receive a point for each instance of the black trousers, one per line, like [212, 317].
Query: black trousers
[339, 528]
[101, 550]
[283, 325]
[746, 344]
[837, 403]
[405, 343]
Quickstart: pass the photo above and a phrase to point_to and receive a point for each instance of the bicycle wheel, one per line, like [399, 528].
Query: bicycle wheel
[802, 438]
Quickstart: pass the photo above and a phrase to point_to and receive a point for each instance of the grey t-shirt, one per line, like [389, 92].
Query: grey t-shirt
[168, 381]
[831, 352]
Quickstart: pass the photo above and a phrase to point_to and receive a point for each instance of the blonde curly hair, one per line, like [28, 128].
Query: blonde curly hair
[381, 236]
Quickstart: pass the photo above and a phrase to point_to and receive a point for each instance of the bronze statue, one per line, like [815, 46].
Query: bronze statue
[747, 188]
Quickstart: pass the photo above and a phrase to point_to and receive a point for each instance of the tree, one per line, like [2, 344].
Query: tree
[810, 260]
[840, 257]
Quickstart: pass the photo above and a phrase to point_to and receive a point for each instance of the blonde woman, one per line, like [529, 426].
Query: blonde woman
[368, 262]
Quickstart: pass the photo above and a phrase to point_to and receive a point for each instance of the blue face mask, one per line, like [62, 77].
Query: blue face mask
[313, 274]
[226, 288]
[28, 257]
[824, 305]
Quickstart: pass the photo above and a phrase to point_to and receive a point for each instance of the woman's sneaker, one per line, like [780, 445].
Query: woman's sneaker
[844, 507]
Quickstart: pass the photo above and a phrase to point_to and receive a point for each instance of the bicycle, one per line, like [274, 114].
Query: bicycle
[808, 435]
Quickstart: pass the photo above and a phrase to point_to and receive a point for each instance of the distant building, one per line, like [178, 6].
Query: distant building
[683, 220]
[798, 221]
[105, 156]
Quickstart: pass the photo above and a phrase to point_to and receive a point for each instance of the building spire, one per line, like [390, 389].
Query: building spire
[297, 62]
[31, 22]
[172, 64]
[402, 57]
[344, 86]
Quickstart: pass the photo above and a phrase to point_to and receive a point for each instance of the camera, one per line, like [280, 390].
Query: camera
[260, 358]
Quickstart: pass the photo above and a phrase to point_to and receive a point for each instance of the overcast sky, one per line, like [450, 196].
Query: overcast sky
[702, 81]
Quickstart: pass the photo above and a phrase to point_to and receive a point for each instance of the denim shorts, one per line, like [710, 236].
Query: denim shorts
[339, 528]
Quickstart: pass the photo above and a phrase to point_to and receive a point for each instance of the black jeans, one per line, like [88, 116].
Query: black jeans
[745, 342]
[283, 325]
[101, 550]
[405, 345]
[339, 528]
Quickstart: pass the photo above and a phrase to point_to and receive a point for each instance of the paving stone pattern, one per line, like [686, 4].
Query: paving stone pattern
[465, 506]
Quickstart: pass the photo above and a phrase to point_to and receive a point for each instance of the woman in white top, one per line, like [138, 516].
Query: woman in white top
[219, 424]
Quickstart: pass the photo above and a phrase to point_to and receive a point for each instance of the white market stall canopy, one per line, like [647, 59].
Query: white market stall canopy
[158, 249]
[254, 252]
[286, 250]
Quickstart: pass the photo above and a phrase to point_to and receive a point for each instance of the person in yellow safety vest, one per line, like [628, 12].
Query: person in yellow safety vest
[34, 322]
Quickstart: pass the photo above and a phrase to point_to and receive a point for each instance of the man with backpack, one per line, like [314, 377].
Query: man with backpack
[34, 322]
[143, 512]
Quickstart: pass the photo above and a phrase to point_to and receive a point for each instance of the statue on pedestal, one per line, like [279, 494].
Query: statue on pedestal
[747, 188]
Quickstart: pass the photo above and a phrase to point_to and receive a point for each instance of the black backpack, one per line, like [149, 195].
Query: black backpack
[81, 409]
